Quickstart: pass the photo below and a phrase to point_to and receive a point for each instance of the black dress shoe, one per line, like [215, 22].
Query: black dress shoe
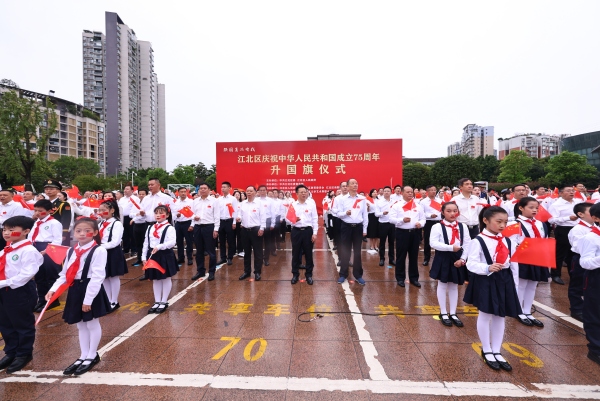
[85, 368]
[415, 283]
[577, 316]
[425, 263]
[39, 307]
[6, 361]
[115, 307]
[535, 322]
[594, 357]
[401, 283]
[211, 276]
[244, 276]
[256, 276]
[73, 367]
[504, 365]
[19, 363]
[492, 364]
[266, 263]
[190, 262]
[393, 262]
[524, 321]
[309, 280]
[164, 308]
[196, 276]
[54, 304]
[456, 321]
[180, 262]
[154, 308]
[381, 262]
[445, 320]
[220, 262]
[229, 262]
[334, 248]
[558, 280]
[143, 278]
[294, 279]
[339, 263]
[273, 253]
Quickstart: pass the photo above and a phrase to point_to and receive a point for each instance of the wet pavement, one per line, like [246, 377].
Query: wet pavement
[242, 340]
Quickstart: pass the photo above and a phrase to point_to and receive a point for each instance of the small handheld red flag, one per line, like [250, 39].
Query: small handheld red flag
[447, 197]
[19, 198]
[73, 192]
[512, 230]
[356, 203]
[542, 215]
[20, 188]
[537, 252]
[291, 214]
[554, 193]
[93, 203]
[436, 206]
[418, 195]
[409, 205]
[57, 253]
[152, 264]
[578, 195]
[231, 209]
[186, 211]
[135, 188]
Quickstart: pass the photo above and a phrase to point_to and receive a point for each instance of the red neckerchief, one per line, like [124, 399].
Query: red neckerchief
[501, 249]
[36, 230]
[72, 270]
[595, 230]
[536, 232]
[8, 249]
[158, 227]
[104, 225]
[583, 223]
[455, 233]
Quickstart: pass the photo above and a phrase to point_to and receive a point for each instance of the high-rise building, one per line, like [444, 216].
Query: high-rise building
[475, 141]
[454, 149]
[128, 96]
[535, 145]
[162, 133]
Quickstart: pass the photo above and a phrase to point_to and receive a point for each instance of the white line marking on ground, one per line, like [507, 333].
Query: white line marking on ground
[312, 384]
[376, 371]
[128, 259]
[559, 314]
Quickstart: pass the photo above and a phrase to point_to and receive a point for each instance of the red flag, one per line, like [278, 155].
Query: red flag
[512, 230]
[135, 188]
[436, 206]
[447, 197]
[370, 199]
[19, 198]
[57, 253]
[73, 192]
[578, 195]
[409, 205]
[554, 193]
[499, 202]
[19, 188]
[134, 203]
[152, 264]
[592, 201]
[326, 206]
[231, 209]
[186, 211]
[536, 251]
[291, 214]
[418, 195]
[510, 196]
[542, 215]
[356, 202]
[93, 203]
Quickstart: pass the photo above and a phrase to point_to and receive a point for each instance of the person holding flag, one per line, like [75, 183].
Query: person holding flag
[387, 231]
[127, 204]
[205, 224]
[227, 209]
[253, 222]
[303, 218]
[469, 206]
[19, 263]
[432, 207]
[182, 209]
[584, 225]
[408, 218]
[138, 222]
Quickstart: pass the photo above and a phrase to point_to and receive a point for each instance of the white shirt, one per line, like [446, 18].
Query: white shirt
[429, 211]
[180, 204]
[268, 207]
[21, 265]
[580, 230]
[509, 206]
[96, 273]
[527, 225]
[468, 208]
[50, 230]
[307, 213]
[436, 238]
[277, 206]
[208, 211]
[476, 262]
[150, 202]
[116, 227]
[381, 206]
[397, 215]
[170, 239]
[590, 251]
[252, 214]
[127, 205]
[596, 195]
[224, 210]
[561, 212]
[396, 197]
[358, 215]
[11, 209]
[370, 205]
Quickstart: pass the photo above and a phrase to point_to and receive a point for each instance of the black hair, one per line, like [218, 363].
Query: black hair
[65, 195]
[371, 191]
[524, 201]
[518, 185]
[594, 211]
[154, 179]
[114, 206]
[204, 183]
[581, 208]
[343, 182]
[488, 213]
[407, 186]
[537, 187]
[130, 187]
[263, 186]
[348, 182]
[26, 223]
[143, 189]
[397, 186]
[387, 186]
[250, 186]
[563, 186]
[94, 225]
[445, 205]
[44, 204]
[167, 211]
[462, 181]
[430, 186]
[226, 183]
[298, 187]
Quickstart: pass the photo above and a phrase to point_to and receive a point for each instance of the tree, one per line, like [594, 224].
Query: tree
[211, 180]
[448, 170]
[514, 167]
[25, 126]
[416, 175]
[538, 169]
[67, 168]
[163, 175]
[490, 168]
[184, 174]
[568, 168]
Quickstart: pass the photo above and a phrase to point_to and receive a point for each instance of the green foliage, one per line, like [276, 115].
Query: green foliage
[90, 114]
[448, 170]
[515, 166]
[538, 169]
[568, 168]
[416, 175]
[489, 167]
[163, 175]
[67, 168]
[184, 174]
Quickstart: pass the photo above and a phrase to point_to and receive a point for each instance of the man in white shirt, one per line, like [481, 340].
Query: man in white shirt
[468, 206]
[336, 222]
[227, 208]
[126, 206]
[139, 226]
[269, 207]
[519, 191]
[252, 217]
[432, 216]
[387, 231]
[8, 209]
[304, 233]
[565, 219]
[153, 199]
[182, 227]
[205, 224]
[397, 195]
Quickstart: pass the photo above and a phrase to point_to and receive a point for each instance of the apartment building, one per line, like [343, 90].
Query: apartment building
[538, 145]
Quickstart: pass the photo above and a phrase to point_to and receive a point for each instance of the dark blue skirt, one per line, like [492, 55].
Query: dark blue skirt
[534, 273]
[443, 269]
[73, 313]
[166, 258]
[495, 294]
[116, 265]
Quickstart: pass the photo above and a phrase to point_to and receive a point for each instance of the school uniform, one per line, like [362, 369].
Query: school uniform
[577, 273]
[408, 238]
[18, 297]
[443, 236]
[162, 237]
[227, 208]
[352, 229]
[253, 219]
[430, 221]
[387, 231]
[86, 288]
[590, 261]
[111, 233]
[46, 231]
[8, 210]
[208, 212]
[561, 211]
[492, 293]
[182, 225]
[509, 206]
[301, 236]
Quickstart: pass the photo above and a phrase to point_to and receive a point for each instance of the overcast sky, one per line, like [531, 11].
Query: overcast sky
[281, 70]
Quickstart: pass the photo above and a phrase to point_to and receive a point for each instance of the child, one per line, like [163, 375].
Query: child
[493, 287]
[83, 273]
[19, 262]
[450, 239]
[158, 246]
[111, 233]
[529, 275]
[584, 226]
[46, 230]
[590, 260]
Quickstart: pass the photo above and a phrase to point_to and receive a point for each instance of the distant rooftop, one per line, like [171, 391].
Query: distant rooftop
[333, 137]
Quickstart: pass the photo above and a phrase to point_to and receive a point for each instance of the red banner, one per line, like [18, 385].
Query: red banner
[320, 165]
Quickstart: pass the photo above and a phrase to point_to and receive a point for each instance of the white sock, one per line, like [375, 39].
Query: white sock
[84, 339]
[95, 335]
[157, 287]
[483, 329]
[441, 296]
[167, 284]
[521, 290]
[453, 297]
[115, 284]
[107, 284]
[498, 324]
[528, 297]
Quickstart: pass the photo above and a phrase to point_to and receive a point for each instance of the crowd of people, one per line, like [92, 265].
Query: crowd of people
[462, 225]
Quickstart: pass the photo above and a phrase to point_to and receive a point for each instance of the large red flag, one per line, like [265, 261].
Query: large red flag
[152, 264]
[543, 215]
[19, 198]
[409, 205]
[436, 206]
[536, 251]
[291, 214]
[512, 230]
[57, 253]
[73, 192]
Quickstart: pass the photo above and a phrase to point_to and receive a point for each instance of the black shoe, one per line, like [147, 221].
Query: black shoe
[339, 263]
[535, 322]
[256, 276]
[73, 367]
[594, 357]
[211, 276]
[84, 368]
[115, 307]
[294, 279]
[401, 283]
[425, 263]
[53, 304]
[196, 276]
[381, 262]
[577, 316]
[393, 262]
[154, 308]
[445, 320]
[229, 262]
[6, 361]
[457, 322]
[266, 263]
[180, 262]
[334, 248]
[19, 363]
[302, 266]
[222, 261]
[504, 365]
[524, 321]
[415, 283]
[205, 253]
[190, 262]
[161, 310]
[364, 240]
[558, 280]
[274, 253]
[143, 278]
[39, 307]
[309, 280]
[244, 276]
[492, 364]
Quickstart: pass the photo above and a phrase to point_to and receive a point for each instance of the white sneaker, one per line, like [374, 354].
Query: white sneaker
[241, 254]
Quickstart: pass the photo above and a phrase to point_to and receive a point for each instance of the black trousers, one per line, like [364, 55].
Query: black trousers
[473, 231]
[426, 233]
[591, 309]
[127, 234]
[387, 231]
[17, 321]
[563, 249]
[351, 236]
[2, 242]
[203, 238]
[267, 238]
[575, 291]
[302, 245]
[226, 236]
[238, 237]
[181, 230]
[252, 242]
[282, 231]
[139, 232]
[407, 243]
[47, 273]
[337, 231]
